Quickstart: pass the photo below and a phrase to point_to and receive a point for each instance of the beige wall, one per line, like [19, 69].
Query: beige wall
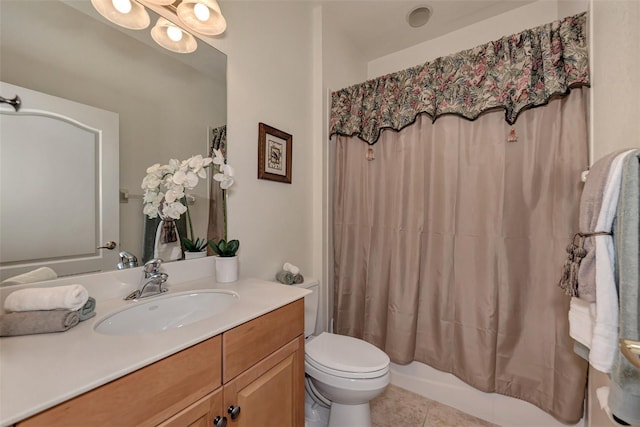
[270, 68]
[615, 108]
[615, 75]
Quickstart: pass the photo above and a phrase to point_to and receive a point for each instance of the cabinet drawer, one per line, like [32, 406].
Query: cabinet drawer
[247, 344]
[145, 397]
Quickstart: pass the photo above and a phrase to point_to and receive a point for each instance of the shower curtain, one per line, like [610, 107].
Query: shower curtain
[449, 240]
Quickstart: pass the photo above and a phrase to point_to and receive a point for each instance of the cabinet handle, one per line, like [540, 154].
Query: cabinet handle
[234, 411]
[220, 421]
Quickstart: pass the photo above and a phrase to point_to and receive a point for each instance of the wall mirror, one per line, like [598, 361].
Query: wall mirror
[167, 103]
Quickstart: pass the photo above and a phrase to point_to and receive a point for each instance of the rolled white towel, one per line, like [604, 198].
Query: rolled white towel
[70, 297]
[291, 268]
[37, 275]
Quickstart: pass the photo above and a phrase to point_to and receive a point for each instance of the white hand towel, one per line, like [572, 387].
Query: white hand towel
[37, 275]
[70, 297]
[604, 342]
[167, 251]
[291, 268]
[581, 321]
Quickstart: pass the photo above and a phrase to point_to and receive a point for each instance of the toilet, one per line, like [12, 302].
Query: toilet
[342, 373]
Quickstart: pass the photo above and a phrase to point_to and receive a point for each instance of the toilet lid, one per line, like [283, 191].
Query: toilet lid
[346, 354]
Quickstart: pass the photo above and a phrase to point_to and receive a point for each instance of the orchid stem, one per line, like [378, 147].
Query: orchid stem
[224, 213]
[186, 203]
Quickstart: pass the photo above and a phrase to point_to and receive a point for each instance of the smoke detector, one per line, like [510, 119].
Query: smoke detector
[419, 16]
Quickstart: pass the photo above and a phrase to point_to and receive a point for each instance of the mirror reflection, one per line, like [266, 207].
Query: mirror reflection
[167, 105]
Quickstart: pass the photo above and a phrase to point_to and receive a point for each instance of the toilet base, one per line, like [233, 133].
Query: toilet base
[350, 415]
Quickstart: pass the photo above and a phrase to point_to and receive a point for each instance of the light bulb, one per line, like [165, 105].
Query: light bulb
[174, 33]
[201, 11]
[122, 6]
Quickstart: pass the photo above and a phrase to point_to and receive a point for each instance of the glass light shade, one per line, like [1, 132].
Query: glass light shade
[136, 19]
[186, 44]
[214, 23]
[161, 2]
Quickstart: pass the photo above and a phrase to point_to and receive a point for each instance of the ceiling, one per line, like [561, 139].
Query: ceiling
[378, 28]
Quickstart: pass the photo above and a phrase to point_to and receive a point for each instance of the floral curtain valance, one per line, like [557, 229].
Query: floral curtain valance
[520, 71]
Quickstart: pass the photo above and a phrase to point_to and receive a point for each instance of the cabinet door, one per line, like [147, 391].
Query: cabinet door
[203, 413]
[271, 393]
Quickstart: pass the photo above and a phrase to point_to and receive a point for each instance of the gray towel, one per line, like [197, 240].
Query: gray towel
[624, 397]
[590, 203]
[298, 278]
[88, 310]
[285, 277]
[37, 322]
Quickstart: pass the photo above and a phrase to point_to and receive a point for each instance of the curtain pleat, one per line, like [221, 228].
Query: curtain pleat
[449, 246]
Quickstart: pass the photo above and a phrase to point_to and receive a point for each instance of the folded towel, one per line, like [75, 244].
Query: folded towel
[88, 310]
[590, 206]
[604, 343]
[70, 297]
[298, 278]
[291, 268]
[37, 322]
[37, 275]
[581, 321]
[624, 397]
[285, 277]
[169, 251]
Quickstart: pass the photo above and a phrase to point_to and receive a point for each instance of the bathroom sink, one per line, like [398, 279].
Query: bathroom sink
[167, 312]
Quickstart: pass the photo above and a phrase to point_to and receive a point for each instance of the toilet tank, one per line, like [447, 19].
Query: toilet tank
[311, 304]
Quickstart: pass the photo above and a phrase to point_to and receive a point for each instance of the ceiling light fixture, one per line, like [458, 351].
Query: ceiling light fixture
[126, 13]
[198, 16]
[173, 38]
[419, 16]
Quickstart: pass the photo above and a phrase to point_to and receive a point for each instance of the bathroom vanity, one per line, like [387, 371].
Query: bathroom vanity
[242, 367]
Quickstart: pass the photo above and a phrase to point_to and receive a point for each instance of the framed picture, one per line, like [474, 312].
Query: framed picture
[274, 154]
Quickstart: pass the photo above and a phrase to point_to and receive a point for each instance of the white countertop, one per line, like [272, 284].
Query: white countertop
[41, 371]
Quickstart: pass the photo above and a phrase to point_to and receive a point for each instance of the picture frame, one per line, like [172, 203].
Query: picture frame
[274, 154]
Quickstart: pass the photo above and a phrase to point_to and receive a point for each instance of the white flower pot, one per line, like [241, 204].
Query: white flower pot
[226, 269]
[194, 255]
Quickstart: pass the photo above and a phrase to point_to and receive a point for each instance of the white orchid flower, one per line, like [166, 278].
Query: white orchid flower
[173, 165]
[150, 181]
[173, 210]
[218, 157]
[174, 194]
[153, 197]
[150, 210]
[188, 179]
[155, 170]
[225, 177]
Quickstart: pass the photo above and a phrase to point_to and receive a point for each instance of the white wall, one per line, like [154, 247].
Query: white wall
[270, 66]
[514, 21]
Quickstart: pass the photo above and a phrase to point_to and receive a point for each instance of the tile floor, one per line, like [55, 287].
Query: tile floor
[397, 407]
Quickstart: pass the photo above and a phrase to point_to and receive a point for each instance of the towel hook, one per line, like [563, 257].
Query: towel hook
[16, 102]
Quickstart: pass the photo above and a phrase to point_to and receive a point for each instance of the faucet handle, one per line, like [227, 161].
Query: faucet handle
[152, 266]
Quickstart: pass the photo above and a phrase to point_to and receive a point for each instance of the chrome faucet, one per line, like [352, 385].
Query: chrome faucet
[127, 260]
[152, 277]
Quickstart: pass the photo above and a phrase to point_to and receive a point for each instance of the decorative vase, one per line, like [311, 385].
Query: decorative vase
[194, 255]
[226, 269]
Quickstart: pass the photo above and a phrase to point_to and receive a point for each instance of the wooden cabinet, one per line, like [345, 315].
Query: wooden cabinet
[251, 375]
[263, 369]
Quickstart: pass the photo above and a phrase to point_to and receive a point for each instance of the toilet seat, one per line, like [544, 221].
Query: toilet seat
[346, 357]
